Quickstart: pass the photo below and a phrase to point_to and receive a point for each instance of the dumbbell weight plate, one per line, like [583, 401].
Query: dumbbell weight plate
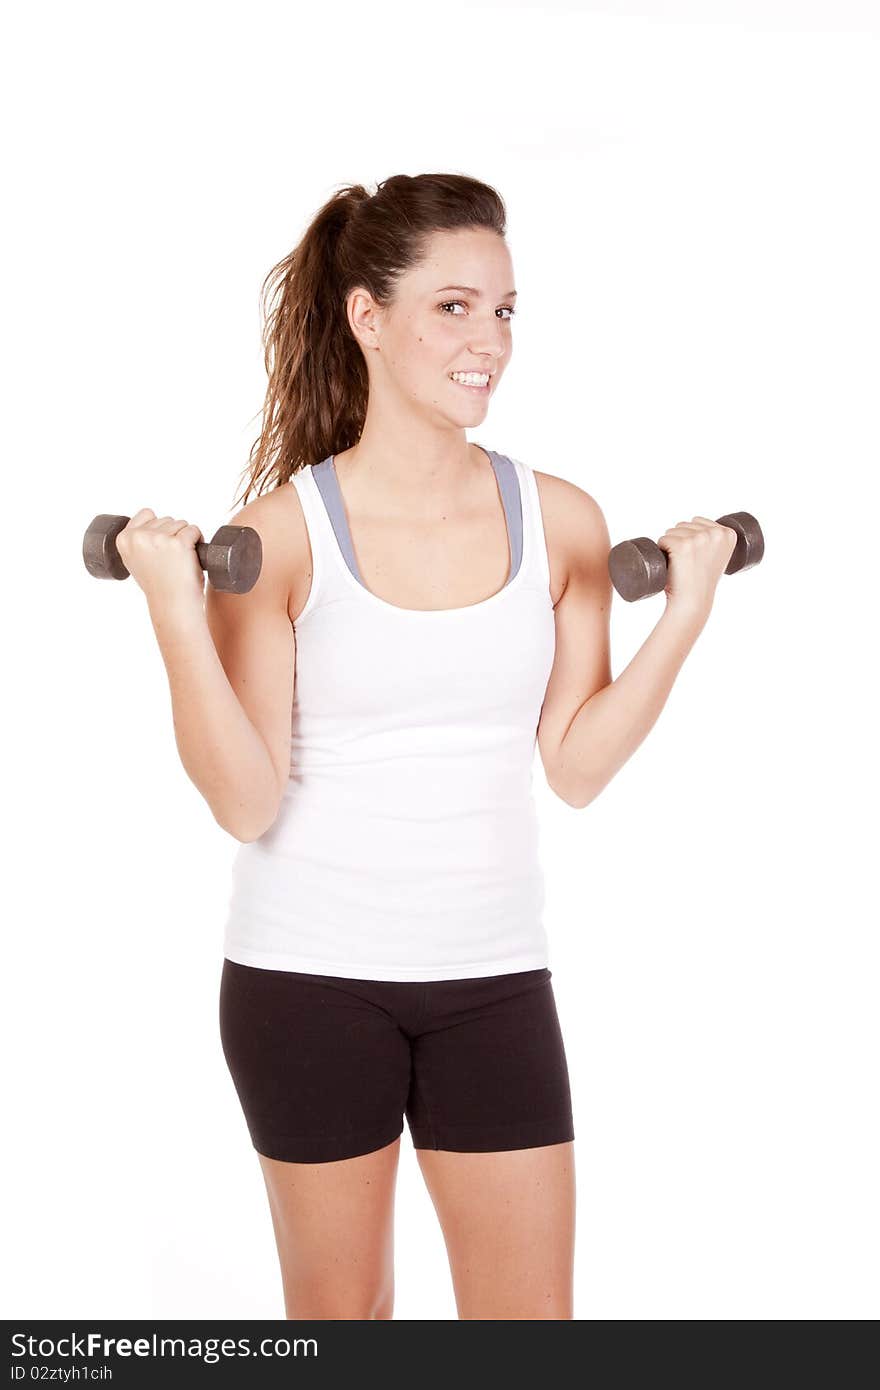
[233, 558]
[102, 559]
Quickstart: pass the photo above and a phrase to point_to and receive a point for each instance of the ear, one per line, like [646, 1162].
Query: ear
[364, 317]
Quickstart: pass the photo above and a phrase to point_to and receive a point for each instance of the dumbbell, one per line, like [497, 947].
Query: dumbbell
[638, 567]
[232, 560]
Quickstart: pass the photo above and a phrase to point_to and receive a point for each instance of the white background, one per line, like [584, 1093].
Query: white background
[693, 219]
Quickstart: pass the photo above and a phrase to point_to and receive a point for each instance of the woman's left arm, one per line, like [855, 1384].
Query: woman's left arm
[591, 725]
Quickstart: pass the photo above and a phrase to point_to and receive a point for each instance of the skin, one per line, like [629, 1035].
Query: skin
[508, 1220]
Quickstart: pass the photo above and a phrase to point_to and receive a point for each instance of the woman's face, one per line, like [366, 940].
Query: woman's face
[451, 314]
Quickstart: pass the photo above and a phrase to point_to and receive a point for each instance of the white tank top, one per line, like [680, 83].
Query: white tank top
[406, 846]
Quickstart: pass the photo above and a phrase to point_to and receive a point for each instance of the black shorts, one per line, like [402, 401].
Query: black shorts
[326, 1067]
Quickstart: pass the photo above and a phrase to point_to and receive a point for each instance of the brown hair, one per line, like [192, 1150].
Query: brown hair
[316, 398]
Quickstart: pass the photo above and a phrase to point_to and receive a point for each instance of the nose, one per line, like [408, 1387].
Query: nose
[488, 346]
[488, 335]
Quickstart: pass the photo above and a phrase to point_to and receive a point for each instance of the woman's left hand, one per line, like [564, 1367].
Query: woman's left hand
[697, 554]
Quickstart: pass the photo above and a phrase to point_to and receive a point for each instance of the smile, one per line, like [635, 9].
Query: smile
[472, 381]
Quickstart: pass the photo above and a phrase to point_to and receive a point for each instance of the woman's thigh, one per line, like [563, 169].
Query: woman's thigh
[321, 1067]
[508, 1220]
[489, 1070]
[491, 1118]
[322, 1071]
[334, 1229]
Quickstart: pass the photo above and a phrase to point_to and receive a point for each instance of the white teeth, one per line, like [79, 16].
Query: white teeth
[471, 378]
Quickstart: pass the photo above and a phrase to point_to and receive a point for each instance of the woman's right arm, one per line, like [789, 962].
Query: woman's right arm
[230, 660]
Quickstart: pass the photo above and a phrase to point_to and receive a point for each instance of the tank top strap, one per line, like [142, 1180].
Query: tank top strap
[534, 543]
[325, 476]
[508, 482]
[328, 581]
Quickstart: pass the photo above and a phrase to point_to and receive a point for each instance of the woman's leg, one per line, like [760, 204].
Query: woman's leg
[334, 1228]
[491, 1119]
[508, 1220]
[322, 1072]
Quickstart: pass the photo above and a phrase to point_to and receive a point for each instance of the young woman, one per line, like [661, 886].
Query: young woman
[364, 721]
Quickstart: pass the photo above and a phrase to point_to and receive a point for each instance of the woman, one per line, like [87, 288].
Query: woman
[364, 722]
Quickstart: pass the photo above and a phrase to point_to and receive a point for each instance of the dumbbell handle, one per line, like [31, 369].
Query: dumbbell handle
[231, 560]
[638, 567]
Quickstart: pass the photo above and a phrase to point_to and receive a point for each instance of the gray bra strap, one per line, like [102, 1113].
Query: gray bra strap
[324, 474]
[508, 484]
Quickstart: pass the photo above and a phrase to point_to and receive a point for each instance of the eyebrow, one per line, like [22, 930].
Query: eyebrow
[470, 289]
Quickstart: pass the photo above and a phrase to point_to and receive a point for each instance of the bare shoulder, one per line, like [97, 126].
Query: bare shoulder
[277, 516]
[575, 528]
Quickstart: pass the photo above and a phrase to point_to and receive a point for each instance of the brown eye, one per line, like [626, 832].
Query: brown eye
[450, 303]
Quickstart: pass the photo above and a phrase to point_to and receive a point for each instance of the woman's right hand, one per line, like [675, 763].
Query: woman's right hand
[160, 554]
